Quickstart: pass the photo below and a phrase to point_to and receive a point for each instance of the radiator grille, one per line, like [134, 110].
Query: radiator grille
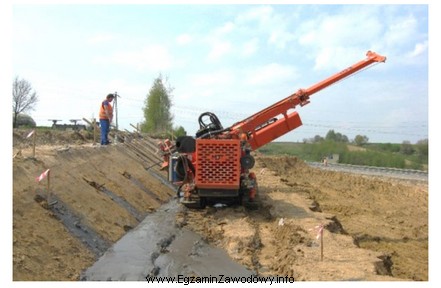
[218, 163]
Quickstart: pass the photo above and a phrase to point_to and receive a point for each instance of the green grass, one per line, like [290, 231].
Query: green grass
[374, 154]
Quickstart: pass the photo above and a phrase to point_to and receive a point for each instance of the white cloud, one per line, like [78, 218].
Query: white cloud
[154, 57]
[262, 14]
[219, 46]
[336, 57]
[270, 74]
[250, 48]
[401, 30]
[339, 38]
[184, 39]
[101, 38]
[280, 37]
[215, 79]
[219, 49]
[225, 29]
[205, 89]
[419, 49]
[265, 21]
[308, 32]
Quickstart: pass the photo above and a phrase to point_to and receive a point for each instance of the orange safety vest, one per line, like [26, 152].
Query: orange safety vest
[103, 114]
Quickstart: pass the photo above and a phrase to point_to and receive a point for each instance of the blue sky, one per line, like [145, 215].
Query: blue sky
[233, 60]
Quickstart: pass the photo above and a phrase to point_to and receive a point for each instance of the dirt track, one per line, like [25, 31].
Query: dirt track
[109, 191]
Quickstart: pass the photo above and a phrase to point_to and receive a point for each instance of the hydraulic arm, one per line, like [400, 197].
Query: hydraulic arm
[277, 119]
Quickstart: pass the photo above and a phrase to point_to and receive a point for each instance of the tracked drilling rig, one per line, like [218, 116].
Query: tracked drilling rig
[217, 162]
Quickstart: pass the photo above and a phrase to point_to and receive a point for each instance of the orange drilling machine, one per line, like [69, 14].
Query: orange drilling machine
[216, 164]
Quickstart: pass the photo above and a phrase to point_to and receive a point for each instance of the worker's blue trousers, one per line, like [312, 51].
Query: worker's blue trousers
[105, 127]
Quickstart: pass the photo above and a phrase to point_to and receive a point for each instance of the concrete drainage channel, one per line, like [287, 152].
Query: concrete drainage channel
[158, 247]
[73, 224]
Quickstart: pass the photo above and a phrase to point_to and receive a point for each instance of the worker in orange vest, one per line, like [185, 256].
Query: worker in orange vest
[106, 117]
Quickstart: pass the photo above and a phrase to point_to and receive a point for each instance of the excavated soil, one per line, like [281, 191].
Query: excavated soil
[375, 229]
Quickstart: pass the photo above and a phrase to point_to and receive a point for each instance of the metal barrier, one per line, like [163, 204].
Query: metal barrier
[370, 169]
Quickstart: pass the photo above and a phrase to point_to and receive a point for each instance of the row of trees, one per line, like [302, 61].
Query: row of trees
[359, 140]
[421, 148]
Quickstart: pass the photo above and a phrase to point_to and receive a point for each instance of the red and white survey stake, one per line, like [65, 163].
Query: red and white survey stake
[33, 142]
[319, 229]
[43, 175]
[30, 134]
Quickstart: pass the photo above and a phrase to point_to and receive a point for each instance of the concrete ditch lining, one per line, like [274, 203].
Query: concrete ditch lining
[73, 223]
[159, 247]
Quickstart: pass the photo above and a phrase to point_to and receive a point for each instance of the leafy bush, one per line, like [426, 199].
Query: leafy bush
[24, 120]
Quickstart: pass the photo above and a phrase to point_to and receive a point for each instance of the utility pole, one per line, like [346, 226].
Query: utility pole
[116, 110]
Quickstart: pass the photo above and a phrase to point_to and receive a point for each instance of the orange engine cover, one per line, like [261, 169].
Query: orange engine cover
[217, 163]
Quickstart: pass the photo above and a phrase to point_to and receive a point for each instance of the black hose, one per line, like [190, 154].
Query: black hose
[216, 124]
[212, 133]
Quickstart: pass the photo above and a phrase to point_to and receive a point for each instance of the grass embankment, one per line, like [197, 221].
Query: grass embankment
[373, 154]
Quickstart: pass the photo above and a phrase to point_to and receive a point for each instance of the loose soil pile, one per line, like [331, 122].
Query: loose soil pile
[375, 228]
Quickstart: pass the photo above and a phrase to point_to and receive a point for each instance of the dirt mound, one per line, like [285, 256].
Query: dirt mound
[51, 137]
[284, 164]
[387, 216]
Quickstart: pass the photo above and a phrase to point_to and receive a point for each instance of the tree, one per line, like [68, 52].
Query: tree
[342, 138]
[423, 148]
[406, 148]
[23, 98]
[336, 137]
[315, 139]
[361, 140]
[180, 131]
[157, 115]
[330, 136]
[25, 120]
[318, 138]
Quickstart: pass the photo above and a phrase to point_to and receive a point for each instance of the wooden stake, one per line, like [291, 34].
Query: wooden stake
[94, 128]
[48, 187]
[321, 244]
[94, 131]
[50, 202]
[33, 144]
[136, 128]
